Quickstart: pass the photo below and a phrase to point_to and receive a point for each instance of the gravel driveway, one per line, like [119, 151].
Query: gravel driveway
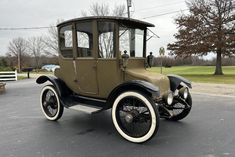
[214, 89]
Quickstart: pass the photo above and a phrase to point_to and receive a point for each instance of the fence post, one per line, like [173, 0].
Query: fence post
[16, 75]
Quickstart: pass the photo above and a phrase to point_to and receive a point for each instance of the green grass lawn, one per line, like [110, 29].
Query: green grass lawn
[21, 77]
[200, 73]
[41, 72]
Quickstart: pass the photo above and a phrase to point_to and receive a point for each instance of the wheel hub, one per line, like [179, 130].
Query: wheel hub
[51, 102]
[129, 118]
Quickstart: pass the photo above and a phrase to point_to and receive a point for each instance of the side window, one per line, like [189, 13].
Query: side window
[124, 40]
[84, 39]
[139, 42]
[66, 41]
[106, 40]
[132, 41]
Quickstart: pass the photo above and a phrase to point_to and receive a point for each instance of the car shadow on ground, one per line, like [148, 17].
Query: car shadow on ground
[82, 125]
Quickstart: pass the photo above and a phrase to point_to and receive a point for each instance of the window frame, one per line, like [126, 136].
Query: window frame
[115, 42]
[144, 39]
[92, 49]
[60, 44]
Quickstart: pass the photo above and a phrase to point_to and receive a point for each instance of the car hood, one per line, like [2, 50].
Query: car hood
[156, 79]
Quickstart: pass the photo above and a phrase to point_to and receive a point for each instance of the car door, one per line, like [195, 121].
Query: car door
[66, 57]
[109, 73]
[86, 64]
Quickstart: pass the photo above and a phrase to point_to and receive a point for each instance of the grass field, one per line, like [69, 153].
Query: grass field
[200, 73]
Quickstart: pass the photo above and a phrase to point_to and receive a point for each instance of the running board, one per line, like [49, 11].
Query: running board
[86, 108]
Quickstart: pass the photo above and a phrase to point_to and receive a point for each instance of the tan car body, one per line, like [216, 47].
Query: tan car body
[100, 68]
[97, 77]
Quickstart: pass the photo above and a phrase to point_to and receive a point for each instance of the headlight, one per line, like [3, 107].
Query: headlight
[168, 98]
[183, 92]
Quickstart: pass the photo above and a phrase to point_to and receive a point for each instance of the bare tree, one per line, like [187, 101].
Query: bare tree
[102, 9]
[119, 10]
[208, 27]
[51, 40]
[97, 9]
[18, 49]
[36, 48]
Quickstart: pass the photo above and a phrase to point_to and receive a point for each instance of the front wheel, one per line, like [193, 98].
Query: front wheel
[180, 110]
[135, 116]
[50, 103]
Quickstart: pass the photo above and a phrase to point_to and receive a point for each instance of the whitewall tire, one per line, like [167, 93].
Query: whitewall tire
[50, 103]
[134, 109]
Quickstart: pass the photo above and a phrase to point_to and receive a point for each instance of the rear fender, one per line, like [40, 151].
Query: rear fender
[59, 85]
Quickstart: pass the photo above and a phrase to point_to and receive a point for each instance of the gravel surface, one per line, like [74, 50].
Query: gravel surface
[215, 89]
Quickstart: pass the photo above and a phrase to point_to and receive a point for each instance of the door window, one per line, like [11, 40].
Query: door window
[106, 40]
[84, 39]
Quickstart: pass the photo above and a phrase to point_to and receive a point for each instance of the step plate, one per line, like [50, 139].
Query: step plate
[85, 108]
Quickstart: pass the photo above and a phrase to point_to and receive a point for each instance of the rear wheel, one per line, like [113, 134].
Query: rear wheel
[50, 103]
[135, 116]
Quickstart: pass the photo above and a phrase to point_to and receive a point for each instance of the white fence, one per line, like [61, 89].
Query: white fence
[8, 75]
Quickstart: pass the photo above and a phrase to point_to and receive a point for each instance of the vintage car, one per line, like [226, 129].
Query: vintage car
[103, 66]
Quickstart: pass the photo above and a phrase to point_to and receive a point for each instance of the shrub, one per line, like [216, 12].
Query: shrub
[6, 68]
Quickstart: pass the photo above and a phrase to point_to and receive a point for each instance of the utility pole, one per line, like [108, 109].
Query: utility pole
[128, 7]
[131, 31]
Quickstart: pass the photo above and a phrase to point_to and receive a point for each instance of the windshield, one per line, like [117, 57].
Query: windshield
[131, 40]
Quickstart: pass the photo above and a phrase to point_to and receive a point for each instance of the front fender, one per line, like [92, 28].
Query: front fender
[138, 85]
[59, 85]
[177, 81]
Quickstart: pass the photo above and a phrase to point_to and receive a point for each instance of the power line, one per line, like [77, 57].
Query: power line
[24, 28]
[159, 6]
[167, 13]
[46, 27]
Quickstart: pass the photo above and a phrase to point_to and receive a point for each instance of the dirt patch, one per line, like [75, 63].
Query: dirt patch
[217, 89]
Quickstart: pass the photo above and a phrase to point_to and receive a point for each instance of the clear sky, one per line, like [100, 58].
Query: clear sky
[34, 13]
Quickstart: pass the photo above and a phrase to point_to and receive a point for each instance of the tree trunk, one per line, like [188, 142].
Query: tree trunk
[218, 68]
[19, 62]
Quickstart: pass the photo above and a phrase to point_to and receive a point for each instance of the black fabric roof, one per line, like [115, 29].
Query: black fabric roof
[115, 18]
